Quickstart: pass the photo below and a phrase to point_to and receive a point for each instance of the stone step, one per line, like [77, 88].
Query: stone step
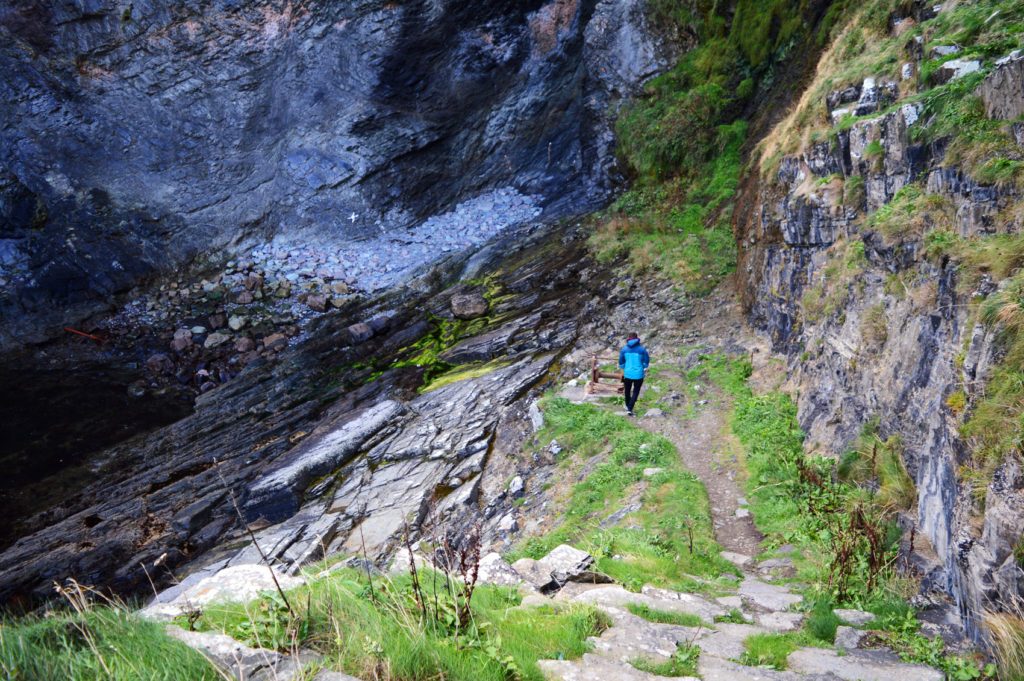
[633, 637]
[771, 597]
[727, 639]
[861, 665]
[656, 599]
[597, 668]
[713, 668]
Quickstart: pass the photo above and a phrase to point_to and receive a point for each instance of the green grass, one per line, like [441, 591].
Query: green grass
[673, 537]
[683, 619]
[735, 616]
[821, 622]
[380, 630]
[100, 643]
[680, 228]
[768, 650]
[845, 533]
[682, 663]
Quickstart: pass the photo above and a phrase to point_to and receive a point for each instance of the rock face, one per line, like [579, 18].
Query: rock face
[326, 443]
[861, 349]
[140, 135]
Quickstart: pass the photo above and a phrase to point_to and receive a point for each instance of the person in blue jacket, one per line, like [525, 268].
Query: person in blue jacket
[633, 360]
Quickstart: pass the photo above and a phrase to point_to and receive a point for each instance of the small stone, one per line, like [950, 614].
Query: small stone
[507, 523]
[649, 472]
[653, 413]
[275, 342]
[338, 302]
[215, 340]
[160, 364]
[857, 618]
[183, 333]
[317, 302]
[360, 332]
[742, 513]
[283, 291]
[339, 288]
[181, 344]
[516, 486]
[244, 298]
[198, 330]
[469, 305]
[218, 321]
[237, 322]
[244, 344]
[848, 638]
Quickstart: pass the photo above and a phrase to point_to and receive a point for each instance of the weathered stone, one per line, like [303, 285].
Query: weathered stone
[235, 659]
[714, 668]
[1003, 89]
[360, 332]
[657, 599]
[767, 596]
[597, 668]
[565, 562]
[239, 583]
[955, 68]
[632, 637]
[244, 344]
[275, 342]
[620, 515]
[737, 559]
[860, 665]
[494, 569]
[848, 638]
[215, 340]
[780, 621]
[160, 363]
[515, 487]
[857, 618]
[727, 639]
[649, 472]
[244, 298]
[469, 305]
[339, 288]
[317, 302]
[180, 344]
[237, 322]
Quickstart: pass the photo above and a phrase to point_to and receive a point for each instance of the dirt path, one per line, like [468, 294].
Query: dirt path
[708, 449]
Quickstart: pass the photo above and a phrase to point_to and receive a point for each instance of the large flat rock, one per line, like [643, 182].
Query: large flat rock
[765, 596]
[716, 669]
[633, 637]
[239, 583]
[656, 599]
[861, 665]
[596, 668]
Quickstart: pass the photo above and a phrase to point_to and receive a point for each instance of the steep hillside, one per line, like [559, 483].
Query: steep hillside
[879, 250]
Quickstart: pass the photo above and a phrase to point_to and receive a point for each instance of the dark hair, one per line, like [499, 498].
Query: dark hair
[632, 335]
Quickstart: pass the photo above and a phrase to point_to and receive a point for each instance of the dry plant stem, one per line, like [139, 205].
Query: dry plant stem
[241, 518]
[76, 597]
[362, 545]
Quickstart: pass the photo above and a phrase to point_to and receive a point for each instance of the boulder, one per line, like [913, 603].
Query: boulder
[848, 638]
[317, 302]
[469, 305]
[360, 333]
[494, 569]
[857, 618]
[565, 562]
[160, 364]
[275, 342]
[238, 583]
[215, 340]
[955, 68]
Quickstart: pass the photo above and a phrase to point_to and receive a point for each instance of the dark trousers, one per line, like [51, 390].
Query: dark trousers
[632, 391]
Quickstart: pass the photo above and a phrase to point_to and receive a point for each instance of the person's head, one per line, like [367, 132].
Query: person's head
[632, 335]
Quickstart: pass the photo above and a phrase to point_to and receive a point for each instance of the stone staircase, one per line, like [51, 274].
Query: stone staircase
[764, 605]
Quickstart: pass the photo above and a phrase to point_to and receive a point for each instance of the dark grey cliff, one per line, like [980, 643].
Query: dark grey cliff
[135, 136]
[887, 334]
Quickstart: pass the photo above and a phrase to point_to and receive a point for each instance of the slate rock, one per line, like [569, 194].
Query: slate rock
[857, 618]
[848, 638]
[860, 665]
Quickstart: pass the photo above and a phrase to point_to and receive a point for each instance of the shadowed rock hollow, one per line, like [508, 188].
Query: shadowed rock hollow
[139, 135]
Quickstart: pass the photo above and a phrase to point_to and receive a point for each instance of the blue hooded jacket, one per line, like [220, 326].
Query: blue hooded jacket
[634, 359]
